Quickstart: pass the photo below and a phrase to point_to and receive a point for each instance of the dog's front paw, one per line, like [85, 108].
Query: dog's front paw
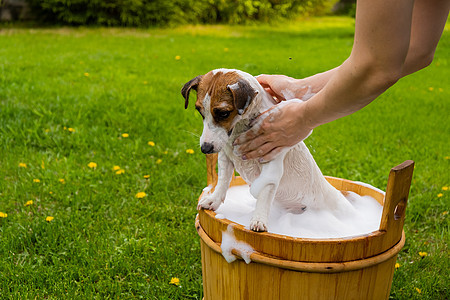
[210, 201]
[257, 224]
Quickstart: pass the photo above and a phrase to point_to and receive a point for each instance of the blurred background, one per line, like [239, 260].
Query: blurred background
[162, 13]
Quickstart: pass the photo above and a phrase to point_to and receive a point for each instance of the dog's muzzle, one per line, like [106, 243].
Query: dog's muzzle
[207, 148]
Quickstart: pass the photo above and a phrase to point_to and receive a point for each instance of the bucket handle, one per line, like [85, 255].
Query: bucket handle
[397, 192]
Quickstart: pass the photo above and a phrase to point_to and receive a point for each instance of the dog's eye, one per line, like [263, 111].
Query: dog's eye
[222, 114]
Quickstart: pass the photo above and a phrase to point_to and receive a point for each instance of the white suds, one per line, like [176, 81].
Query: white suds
[239, 206]
[233, 86]
[287, 94]
[308, 94]
[229, 243]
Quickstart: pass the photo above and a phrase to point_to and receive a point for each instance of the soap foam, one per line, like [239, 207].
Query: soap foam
[229, 243]
[239, 206]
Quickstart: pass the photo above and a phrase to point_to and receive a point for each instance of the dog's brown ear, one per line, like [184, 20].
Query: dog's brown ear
[243, 94]
[191, 84]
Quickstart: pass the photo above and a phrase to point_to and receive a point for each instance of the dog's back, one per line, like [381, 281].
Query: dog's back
[302, 185]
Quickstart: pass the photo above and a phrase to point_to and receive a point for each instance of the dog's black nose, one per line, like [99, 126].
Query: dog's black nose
[207, 148]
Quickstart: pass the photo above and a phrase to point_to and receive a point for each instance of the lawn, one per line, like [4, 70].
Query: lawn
[93, 133]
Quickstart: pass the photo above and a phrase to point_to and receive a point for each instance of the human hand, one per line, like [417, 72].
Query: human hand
[282, 87]
[282, 126]
[278, 86]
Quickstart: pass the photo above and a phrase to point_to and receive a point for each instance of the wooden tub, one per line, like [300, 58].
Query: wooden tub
[283, 267]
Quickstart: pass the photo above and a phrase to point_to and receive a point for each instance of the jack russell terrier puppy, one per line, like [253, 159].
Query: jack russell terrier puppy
[228, 101]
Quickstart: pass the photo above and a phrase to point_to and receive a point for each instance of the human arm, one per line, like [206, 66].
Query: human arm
[380, 56]
[427, 23]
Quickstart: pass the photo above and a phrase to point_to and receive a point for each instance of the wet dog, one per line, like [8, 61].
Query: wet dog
[229, 100]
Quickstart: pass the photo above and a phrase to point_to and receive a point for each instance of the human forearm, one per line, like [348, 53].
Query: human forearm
[387, 46]
[311, 85]
[351, 87]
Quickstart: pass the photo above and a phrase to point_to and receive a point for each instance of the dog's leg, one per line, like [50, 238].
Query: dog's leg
[264, 189]
[214, 200]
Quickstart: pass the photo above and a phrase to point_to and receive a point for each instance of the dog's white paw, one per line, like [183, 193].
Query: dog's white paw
[210, 201]
[257, 224]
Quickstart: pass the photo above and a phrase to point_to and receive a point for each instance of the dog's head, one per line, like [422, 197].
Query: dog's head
[223, 97]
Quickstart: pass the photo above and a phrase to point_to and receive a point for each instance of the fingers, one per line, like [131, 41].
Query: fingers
[262, 153]
[254, 131]
[270, 155]
[263, 79]
[256, 142]
[254, 148]
[267, 82]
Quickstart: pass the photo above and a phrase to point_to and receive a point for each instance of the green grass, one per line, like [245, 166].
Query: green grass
[104, 242]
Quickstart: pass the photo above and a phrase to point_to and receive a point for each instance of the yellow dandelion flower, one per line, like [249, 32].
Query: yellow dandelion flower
[423, 254]
[42, 164]
[141, 195]
[62, 181]
[445, 213]
[49, 219]
[47, 130]
[151, 143]
[447, 157]
[418, 290]
[175, 281]
[36, 180]
[92, 165]
[177, 57]
[28, 203]
[225, 49]
[3, 215]
[146, 176]
[65, 128]
[22, 165]
[86, 74]
[445, 188]
[397, 265]
[165, 152]
[125, 135]
[190, 151]
[144, 82]
[431, 88]
[51, 193]
[121, 171]
[115, 168]
[158, 161]
[440, 195]
[71, 129]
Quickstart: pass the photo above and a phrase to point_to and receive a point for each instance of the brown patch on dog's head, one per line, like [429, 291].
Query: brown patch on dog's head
[229, 95]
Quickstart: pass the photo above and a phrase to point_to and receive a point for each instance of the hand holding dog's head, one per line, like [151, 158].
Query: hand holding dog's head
[222, 97]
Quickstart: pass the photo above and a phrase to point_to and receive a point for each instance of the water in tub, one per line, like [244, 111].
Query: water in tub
[239, 206]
